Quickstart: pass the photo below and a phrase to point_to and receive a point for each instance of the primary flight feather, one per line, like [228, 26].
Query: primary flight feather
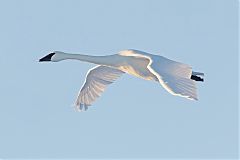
[177, 78]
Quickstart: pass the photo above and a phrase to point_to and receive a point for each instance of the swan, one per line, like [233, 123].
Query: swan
[177, 78]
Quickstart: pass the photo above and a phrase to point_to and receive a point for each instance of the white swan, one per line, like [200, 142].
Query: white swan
[177, 78]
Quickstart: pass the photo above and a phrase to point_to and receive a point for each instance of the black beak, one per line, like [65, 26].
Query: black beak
[46, 58]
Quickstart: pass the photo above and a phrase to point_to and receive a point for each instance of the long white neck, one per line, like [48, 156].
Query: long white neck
[101, 60]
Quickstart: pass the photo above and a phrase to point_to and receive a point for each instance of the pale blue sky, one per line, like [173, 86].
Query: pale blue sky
[133, 118]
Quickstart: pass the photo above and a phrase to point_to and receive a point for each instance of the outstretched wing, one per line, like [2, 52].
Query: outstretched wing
[96, 82]
[175, 77]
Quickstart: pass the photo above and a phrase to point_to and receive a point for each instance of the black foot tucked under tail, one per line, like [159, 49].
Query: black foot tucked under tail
[196, 78]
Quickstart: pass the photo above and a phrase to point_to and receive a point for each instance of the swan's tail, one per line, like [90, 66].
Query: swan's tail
[197, 76]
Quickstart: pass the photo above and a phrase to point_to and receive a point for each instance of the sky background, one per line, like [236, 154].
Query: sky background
[134, 118]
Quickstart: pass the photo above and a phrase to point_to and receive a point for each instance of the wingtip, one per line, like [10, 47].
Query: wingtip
[192, 98]
[81, 107]
[195, 99]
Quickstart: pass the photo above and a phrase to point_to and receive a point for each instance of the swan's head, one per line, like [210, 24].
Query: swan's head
[54, 57]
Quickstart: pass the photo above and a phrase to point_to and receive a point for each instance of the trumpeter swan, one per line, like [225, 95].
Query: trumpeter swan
[177, 78]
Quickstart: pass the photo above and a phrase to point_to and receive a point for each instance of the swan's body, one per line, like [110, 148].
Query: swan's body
[177, 78]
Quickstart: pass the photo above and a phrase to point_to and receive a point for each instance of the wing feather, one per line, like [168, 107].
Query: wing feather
[97, 79]
[174, 76]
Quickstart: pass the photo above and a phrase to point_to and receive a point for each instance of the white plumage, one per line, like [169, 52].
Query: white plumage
[177, 78]
[96, 82]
